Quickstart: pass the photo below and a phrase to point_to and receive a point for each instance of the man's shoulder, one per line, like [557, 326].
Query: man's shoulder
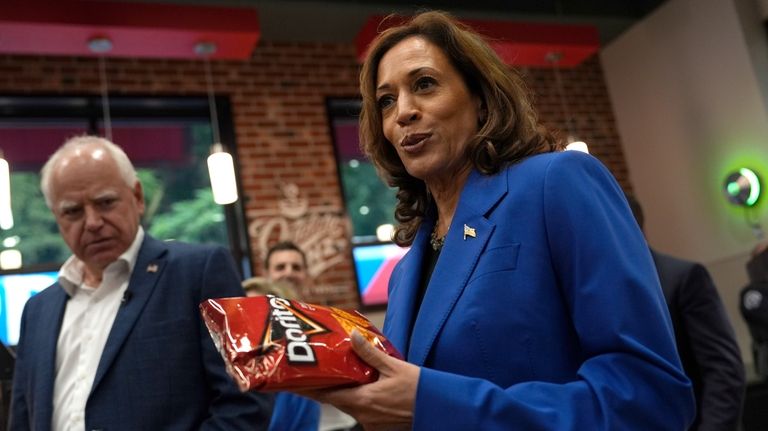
[675, 270]
[46, 297]
[672, 261]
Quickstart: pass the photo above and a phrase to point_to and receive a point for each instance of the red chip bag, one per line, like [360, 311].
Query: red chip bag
[270, 343]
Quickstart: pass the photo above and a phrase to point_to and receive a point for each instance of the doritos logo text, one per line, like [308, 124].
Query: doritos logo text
[287, 322]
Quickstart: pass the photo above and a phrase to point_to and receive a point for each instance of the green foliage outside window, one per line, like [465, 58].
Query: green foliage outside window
[370, 202]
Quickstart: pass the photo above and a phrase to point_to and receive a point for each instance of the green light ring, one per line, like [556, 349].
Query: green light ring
[754, 185]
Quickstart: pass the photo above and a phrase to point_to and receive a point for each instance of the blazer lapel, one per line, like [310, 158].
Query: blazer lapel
[402, 299]
[49, 328]
[149, 266]
[469, 232]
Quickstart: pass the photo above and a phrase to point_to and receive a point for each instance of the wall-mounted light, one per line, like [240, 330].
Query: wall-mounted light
[221, 166]
[742, 187]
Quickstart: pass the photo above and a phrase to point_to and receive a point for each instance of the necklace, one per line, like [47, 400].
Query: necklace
[437, 243]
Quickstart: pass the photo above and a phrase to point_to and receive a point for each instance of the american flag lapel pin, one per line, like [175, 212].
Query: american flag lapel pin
[469, 232]
[152, 267]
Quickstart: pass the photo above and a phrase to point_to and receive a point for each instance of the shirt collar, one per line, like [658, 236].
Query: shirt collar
[71, 273]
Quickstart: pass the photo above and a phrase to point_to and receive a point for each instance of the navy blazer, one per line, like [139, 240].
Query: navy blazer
[159, 369]
[544, 311]
[705, 340]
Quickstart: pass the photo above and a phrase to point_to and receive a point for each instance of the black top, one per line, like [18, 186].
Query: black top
[428, 265]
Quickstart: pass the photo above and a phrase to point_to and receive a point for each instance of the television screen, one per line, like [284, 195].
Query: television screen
[373, 265]
[15, 290]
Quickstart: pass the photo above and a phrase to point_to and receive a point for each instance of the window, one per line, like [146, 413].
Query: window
[168, 140]
[369, 203]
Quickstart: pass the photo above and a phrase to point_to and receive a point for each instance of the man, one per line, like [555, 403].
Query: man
[117, 343]
[286, 266]
[286, 262]
[754, 306]
[704, 336]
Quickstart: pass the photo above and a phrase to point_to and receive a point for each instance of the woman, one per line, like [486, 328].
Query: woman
[528, 300]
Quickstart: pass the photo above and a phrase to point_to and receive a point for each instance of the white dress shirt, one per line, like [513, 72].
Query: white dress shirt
[88, 318]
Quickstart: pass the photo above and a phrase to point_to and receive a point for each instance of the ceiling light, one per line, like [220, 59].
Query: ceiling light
[100, 44]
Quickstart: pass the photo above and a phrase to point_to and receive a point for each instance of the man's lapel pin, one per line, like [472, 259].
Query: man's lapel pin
[152, 267]
[469, 232]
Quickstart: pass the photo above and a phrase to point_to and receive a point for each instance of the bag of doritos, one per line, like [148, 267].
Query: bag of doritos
[270, 343]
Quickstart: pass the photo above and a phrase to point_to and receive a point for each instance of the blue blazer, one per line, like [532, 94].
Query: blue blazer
[159, 369]
[544, 311]
[294, 413]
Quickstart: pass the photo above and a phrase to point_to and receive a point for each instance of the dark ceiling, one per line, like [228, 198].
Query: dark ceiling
[339, 20]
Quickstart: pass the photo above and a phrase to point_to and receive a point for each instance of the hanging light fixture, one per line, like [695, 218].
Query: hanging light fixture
[221, 166]
[101, 45]
[573, 142]
[6, 215]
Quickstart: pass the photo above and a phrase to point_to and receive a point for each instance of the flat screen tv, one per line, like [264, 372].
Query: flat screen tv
[15, 290]
[373, 266]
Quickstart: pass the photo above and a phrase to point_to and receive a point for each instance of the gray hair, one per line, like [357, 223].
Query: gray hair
[124, 165]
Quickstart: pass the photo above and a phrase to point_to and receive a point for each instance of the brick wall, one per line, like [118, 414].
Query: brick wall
[278, 102]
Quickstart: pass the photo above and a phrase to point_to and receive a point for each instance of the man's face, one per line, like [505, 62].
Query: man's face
[288, 266]
[97, 212]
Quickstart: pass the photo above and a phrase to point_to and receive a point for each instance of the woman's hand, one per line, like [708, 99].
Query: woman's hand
[385, 404]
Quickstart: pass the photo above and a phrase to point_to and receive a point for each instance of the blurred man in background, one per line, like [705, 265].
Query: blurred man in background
[286, 267]
[704, 336]
[286, 263]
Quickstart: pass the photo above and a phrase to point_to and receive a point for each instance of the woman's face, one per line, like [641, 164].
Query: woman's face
[428, 113]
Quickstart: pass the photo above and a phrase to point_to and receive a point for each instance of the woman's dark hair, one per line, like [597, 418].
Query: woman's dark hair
[508, 132]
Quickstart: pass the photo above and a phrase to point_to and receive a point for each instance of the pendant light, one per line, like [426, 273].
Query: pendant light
[6, 215]
[573, 142]
[101, 45]
[221, 166]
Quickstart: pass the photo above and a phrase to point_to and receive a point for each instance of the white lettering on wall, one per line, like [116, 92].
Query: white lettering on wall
[323, 232]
